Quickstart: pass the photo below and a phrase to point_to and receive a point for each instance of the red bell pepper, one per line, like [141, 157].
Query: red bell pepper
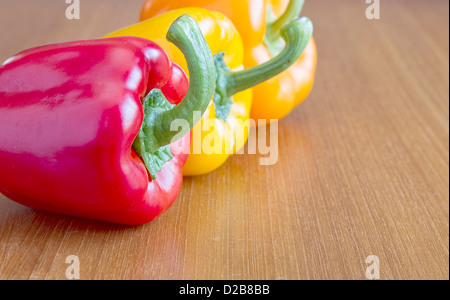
[77, 137]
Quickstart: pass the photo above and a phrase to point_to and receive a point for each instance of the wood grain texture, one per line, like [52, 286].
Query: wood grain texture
[363, 165]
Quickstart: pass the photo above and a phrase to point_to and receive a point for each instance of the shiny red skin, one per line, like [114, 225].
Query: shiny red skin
[69, 114]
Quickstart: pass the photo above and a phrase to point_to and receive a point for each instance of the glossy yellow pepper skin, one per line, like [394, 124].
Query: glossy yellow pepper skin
[221, 36]
[249, 16]
[277, 97]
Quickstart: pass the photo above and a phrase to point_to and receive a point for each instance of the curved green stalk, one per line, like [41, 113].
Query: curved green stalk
[156, 134]
[272, 38]
[296, 35]
[186, 35]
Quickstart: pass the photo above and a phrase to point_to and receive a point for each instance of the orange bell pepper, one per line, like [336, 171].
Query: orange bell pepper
[258, 22]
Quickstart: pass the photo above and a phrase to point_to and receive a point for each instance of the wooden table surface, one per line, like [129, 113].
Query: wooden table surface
[363, 165]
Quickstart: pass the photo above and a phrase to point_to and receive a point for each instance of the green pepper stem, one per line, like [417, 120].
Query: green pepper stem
[292, 12]
[296, 34]
[187, 36]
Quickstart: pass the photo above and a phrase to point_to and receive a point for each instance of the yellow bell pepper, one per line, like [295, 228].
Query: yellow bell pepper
[223, 130]
[258, 22]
